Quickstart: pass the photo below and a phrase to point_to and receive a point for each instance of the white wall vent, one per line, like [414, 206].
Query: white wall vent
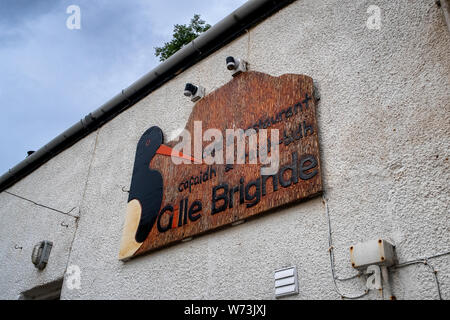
[286, 282]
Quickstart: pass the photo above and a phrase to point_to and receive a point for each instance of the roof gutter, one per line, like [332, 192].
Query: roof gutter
[229, 28]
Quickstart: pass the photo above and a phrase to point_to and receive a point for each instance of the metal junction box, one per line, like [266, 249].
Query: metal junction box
[379, 252]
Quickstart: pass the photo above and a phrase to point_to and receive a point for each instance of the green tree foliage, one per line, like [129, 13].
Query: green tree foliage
[182, 35]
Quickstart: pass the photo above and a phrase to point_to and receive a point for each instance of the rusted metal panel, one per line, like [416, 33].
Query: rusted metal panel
[190, 199]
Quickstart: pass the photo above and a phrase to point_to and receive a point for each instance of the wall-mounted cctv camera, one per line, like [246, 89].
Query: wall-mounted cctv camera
[231, 63]
[194, 92]
[236, 66]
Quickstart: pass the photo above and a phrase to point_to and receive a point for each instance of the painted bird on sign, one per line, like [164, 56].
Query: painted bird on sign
[146, 191]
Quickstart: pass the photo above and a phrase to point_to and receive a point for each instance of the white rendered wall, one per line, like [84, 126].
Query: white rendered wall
[384, 133]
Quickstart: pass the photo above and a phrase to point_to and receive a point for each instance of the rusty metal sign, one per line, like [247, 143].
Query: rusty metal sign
[169, 202]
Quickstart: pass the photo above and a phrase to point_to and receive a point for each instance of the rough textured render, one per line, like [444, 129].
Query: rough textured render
[58, 184]
[383, 117]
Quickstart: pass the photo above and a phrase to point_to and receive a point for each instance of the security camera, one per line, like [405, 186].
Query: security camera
[231, 63]
[236, 66]
[190, 90]
[194, 92]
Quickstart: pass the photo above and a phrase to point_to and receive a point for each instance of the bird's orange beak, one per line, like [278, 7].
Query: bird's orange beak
[168, 151]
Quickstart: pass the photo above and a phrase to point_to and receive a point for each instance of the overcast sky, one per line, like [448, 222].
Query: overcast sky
[52, 76]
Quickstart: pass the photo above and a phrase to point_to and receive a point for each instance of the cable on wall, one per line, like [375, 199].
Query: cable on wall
[349, 278]
[333, 272]
[426, 263]
[43, 206]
